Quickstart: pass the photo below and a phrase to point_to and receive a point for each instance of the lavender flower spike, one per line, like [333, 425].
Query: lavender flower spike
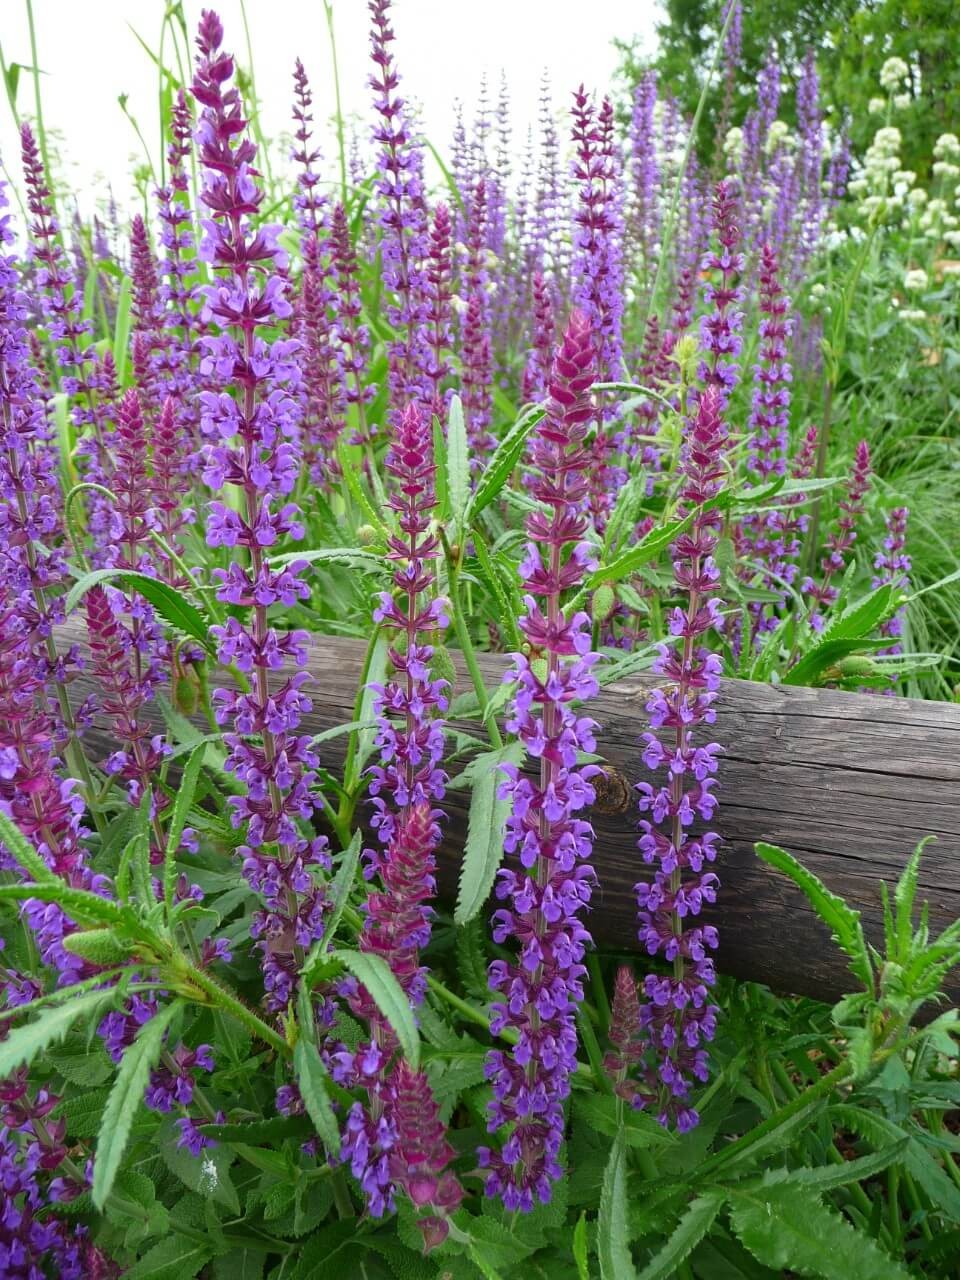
[678, 1017]
[545, 893]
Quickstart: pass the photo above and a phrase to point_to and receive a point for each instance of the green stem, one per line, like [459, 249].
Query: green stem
[341, 146]
[823, 1086]
[230, 1003]
[466, 645]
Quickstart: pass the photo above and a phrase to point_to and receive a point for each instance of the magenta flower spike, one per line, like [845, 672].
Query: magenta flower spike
[720, 326]
[439, 314]
[549, 880]
[841, 539]
[405, 784]
[678, 1017]
[892, 564]
[250, 419]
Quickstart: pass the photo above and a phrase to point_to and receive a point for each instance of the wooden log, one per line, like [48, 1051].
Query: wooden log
[849, 783]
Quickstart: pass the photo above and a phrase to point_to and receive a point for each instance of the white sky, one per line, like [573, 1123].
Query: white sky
[90, 55]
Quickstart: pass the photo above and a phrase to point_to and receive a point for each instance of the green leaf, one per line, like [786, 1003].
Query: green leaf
[498, 470]
[178, 820]
[440, 462]
[458, 463]
[389, 997]
[580, 1247]
[843, 921]
[350, 557]
[349, 457]
[613, 1229]
[311, 1078]
[689, 1231]
[175, 1258]
[340, 891]
[648, 548]
[483, 852]
[24, 1043]
[788, 1228]
[829, 1177]
[208, 1174]
[81, 906]
[826, 654]
[17, 844]
[121, 329]
[903, 897]
[125, 1100]
[863, 616]
[168, 601]
[239, 1264]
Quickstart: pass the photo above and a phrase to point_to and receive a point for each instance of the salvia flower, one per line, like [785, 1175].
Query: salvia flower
[677, 1016]
[550, 880]
[403, 219]
[840, 541]
[252, 444]
[892, 565]
[720, 326]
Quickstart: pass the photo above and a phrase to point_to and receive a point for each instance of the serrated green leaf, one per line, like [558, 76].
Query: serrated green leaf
[789, 1228]
[178, 820]
[647, 549]
[175, 1258]
[81, 906]
[24, 1043]
[824, 655]
[207, 1174]
[168, 601]
[689, 1231]
[613, 1227]
[498, 470]
[125, 1099]
[483, 851]
[458, 462]
[17, 844]
[829, 1177]
[311, 1078]
[843, 921]
[350, 557]
[239, 1264]
[863, 616]
[389, 997]
[580, 1247]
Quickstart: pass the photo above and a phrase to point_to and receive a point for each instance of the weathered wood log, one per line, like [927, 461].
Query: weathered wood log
[849, 783]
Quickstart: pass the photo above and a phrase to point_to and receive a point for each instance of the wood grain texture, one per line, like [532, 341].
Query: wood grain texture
[849, 783]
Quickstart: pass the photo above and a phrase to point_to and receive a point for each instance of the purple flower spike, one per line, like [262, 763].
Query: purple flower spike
[893, 566]
[678, 1018]
[252, 437]
[720, 327]
[551, 880]
[403, 221]
[841, 539]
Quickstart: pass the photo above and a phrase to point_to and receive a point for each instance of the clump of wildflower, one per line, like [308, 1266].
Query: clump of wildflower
[678, 1017]
[539, 993]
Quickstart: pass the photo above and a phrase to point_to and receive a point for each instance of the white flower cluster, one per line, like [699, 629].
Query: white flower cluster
[947, 147]
[892, 74]
[916, 281]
